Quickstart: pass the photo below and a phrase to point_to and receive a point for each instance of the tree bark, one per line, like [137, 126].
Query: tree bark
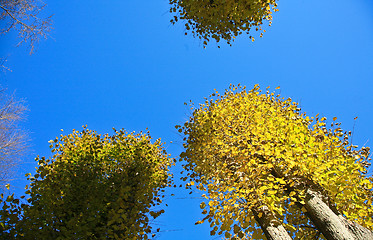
[332, 225]
[327, 220]
[272, 228]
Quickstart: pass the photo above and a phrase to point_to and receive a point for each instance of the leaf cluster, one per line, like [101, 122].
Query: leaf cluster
[222, 19]
[251, 151]
[94, 187]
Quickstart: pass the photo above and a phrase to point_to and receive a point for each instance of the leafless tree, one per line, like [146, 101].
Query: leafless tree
[13, 140]
[25, 17]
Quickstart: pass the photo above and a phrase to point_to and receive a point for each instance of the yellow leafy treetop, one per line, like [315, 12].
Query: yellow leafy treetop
[222, 19]
[94, 187]
[248, 150]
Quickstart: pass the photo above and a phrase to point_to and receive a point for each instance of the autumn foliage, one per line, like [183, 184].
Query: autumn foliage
[222, 19]
[257, 154]
[94, 187]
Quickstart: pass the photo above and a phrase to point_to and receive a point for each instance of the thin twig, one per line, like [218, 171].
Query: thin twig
[15, 19]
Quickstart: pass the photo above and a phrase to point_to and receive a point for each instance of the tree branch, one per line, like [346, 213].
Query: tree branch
[16, 19]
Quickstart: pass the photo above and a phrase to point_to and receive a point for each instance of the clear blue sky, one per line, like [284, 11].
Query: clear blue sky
[122, 64]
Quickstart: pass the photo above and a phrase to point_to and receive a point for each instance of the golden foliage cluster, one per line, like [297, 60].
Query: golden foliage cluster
[250, 150]
[222, 19]
[94, 187]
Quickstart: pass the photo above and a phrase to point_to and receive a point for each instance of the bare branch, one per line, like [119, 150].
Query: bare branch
[3, 66]
[23, 17]
[7, 11]
[13, 141]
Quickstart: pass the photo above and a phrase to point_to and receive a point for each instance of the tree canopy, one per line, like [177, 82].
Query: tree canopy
[260, 161]
[222, 19]
[94, 187]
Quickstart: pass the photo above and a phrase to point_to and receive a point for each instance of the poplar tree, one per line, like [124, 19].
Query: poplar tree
[266, 167]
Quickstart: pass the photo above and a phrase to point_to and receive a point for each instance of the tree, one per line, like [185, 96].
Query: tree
[13, 140]
[267, 167]
[222, 19]
[94, 187]
[24, 17]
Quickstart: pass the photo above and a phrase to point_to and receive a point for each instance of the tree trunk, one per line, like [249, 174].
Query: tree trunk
[271, 227]
[331, 225]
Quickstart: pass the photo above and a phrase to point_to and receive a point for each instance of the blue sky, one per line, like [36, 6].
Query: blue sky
[122, 64]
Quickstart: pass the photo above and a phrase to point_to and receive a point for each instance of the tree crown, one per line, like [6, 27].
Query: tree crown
[95, 186]
[249, 150]
[222, 19]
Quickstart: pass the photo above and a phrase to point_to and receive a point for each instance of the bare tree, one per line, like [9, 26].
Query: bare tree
[13, 140]
[24, 16]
